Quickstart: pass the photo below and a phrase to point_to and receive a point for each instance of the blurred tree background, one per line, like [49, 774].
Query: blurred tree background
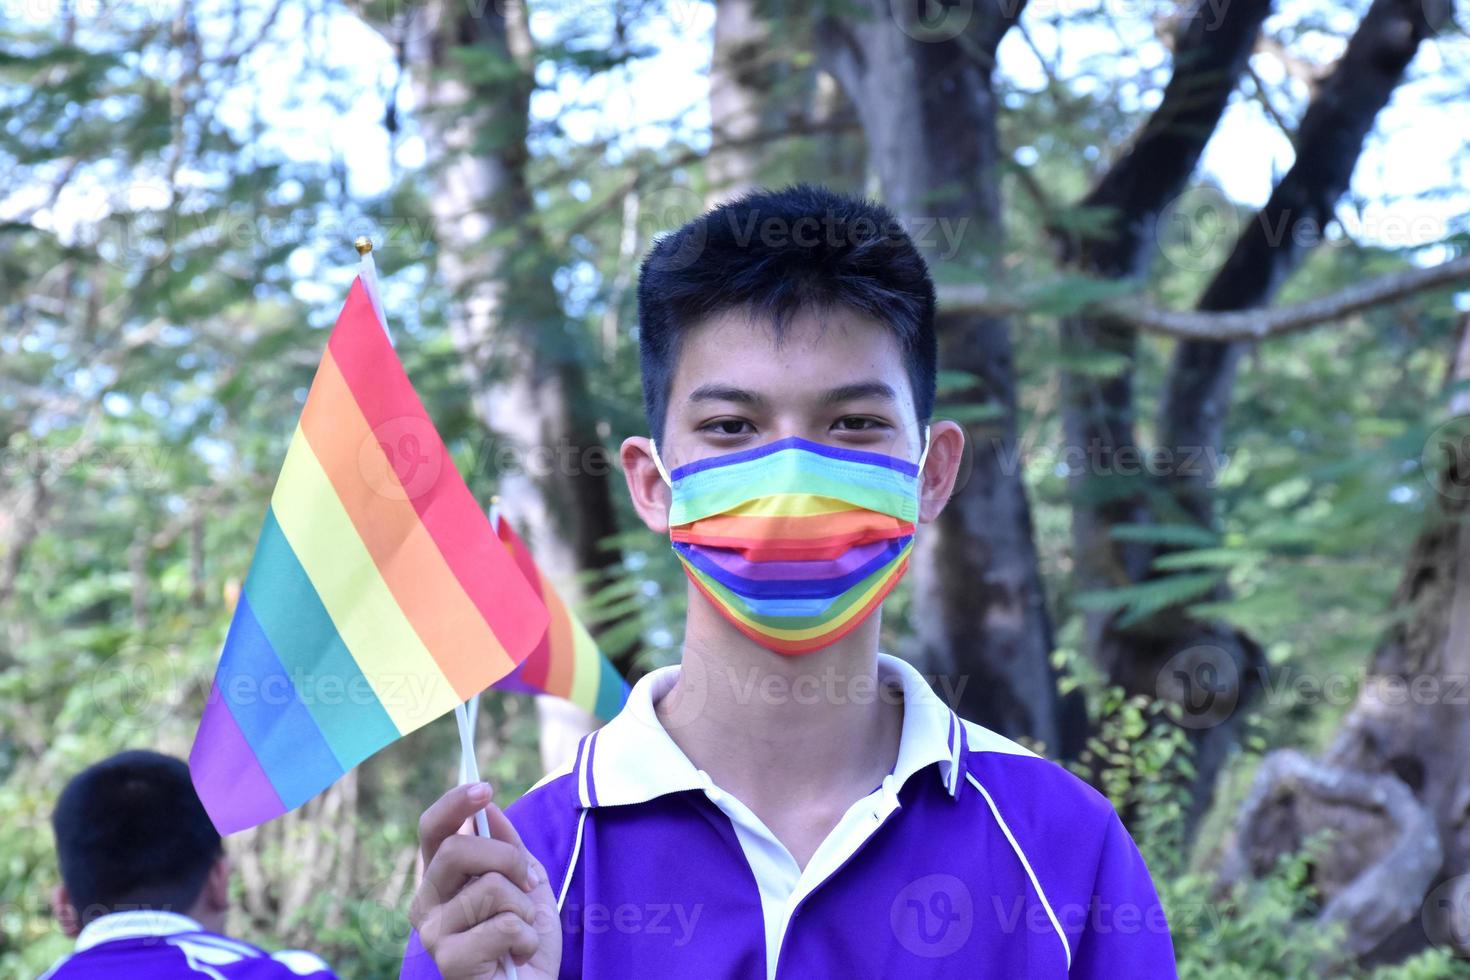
[1198, 266]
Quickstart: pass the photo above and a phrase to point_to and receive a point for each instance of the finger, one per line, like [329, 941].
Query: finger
[478, 951]
[447, 814]
[461, 858]
[481, 900]
[501, 828]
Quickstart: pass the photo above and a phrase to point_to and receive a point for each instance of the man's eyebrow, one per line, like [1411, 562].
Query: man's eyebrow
[859, 389]
[725, 393]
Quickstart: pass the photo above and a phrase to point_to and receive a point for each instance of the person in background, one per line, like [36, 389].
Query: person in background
[145, 881]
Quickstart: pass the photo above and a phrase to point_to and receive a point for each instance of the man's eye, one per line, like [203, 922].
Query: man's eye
[857, 423]
[728, 427]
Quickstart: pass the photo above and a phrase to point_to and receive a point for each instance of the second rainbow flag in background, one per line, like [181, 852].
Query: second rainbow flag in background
[566, 662]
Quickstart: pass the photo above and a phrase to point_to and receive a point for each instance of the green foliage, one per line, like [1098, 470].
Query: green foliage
[1146, 598]
[1260, 929]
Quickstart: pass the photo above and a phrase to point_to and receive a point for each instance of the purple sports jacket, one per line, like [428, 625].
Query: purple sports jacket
[166, 946]
[974, 858]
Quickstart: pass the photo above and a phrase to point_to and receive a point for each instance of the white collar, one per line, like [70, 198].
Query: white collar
[134, 924]
[632, 759]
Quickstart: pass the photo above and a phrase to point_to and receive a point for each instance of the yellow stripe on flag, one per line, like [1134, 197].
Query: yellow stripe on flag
[393, 658]
[586, 671]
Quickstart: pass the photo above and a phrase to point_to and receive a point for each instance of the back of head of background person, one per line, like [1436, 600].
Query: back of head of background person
[146, 882]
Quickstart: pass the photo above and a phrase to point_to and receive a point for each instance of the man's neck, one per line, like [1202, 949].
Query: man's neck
[797, 739]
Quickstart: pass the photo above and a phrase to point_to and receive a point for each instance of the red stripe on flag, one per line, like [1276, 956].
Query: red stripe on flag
[427, 475]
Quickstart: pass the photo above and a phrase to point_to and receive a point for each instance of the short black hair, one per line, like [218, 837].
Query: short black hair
[774, 254]
[132, 834]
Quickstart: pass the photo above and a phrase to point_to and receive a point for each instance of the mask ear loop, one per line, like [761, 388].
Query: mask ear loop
[653, 451]
[922, 456]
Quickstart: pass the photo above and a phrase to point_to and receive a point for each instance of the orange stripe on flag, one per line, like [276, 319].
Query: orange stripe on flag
[563, 660]
[407, 556]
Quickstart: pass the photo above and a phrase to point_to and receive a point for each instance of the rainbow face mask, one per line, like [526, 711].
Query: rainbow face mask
[795, 542]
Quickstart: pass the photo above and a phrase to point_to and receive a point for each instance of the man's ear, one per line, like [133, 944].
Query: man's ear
[216, 894]
[65, 911]
[651, 495]
[941, 468]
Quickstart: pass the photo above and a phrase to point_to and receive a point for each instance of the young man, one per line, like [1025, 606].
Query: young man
[146, 884]
[789, 802]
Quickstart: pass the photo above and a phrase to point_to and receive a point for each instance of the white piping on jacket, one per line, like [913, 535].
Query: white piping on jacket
[1066, 946]
[566, 882]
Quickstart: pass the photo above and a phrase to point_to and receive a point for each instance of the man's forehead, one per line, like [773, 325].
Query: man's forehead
[807, 325]
[831, 355]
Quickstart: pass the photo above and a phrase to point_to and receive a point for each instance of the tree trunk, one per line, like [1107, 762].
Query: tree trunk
[742, 79]
[774, 117]
[1171, 654]
[1397, 875]
[524, 357]
[1099, 415]
[923, 92]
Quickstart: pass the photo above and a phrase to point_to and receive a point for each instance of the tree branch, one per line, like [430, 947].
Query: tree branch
[1260, 324]
[1272, 245]
[1209, 55]
[1232, 325]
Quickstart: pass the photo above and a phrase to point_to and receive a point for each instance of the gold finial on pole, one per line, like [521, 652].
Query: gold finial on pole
[364, 245]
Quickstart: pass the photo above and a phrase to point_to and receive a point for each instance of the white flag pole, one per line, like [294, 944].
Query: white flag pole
[367, 271]
[473, 704]
[469, 767]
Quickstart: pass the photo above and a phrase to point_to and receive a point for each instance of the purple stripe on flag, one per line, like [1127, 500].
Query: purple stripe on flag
[233, 788]
[515, 682]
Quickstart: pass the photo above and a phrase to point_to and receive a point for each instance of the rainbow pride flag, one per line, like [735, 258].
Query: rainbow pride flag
[566, 662]
[378, 598]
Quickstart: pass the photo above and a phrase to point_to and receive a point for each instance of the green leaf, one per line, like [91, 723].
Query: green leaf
[1207, 558]
[1177, 534]
[1146, 598]
[972, 414]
